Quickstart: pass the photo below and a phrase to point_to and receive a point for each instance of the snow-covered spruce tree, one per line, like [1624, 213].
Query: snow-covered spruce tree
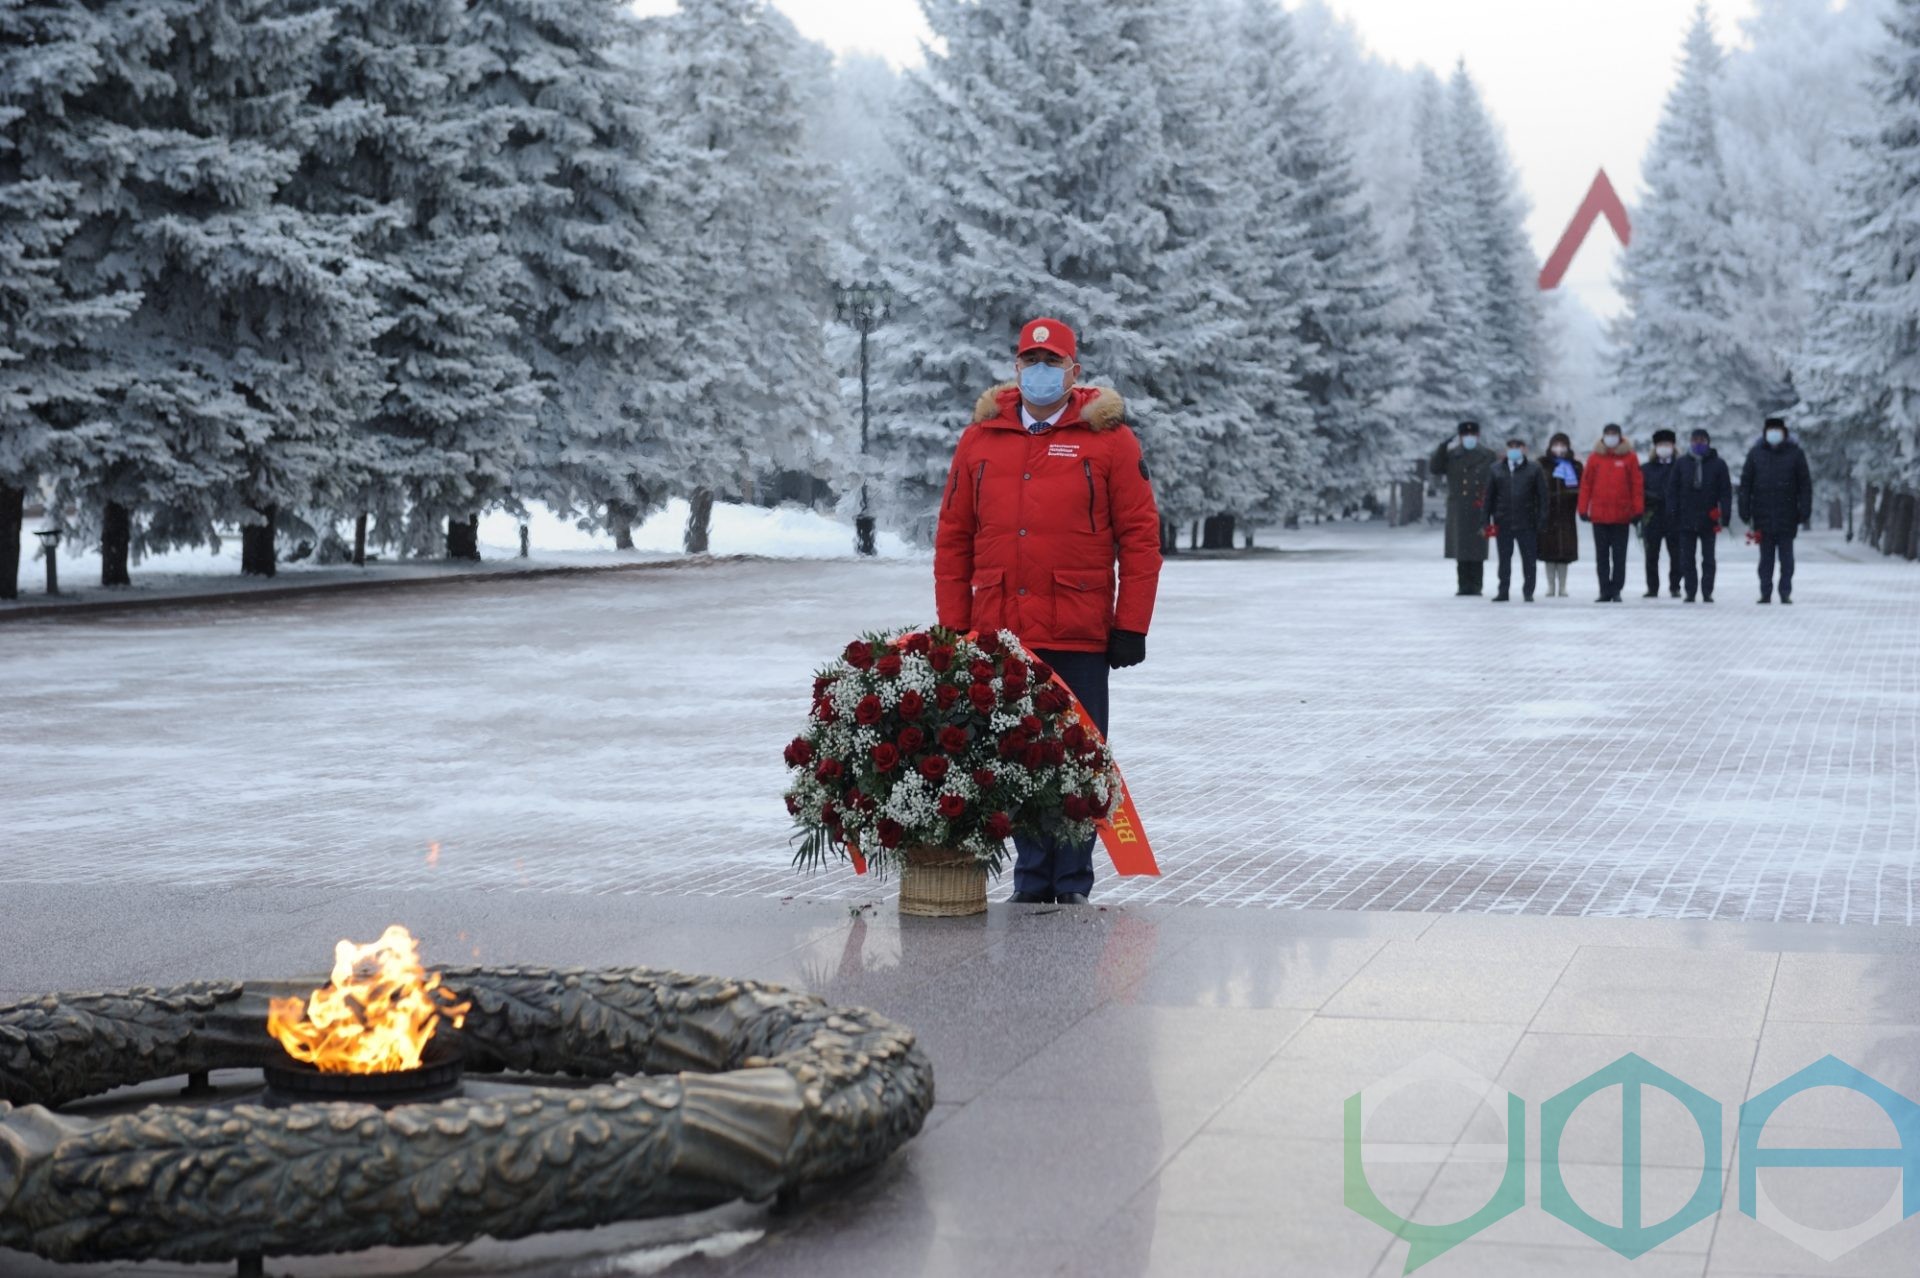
[1347, 348]
[1863, 360]
[598, 293]
[243, 362]
[53, 381]
[1684, 361]
[750, 390]
[1502, 268]
[402, 147]
[1444, 346]
[1031, 140]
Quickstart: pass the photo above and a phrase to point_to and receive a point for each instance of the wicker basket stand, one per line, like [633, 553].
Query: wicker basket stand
[942, 883]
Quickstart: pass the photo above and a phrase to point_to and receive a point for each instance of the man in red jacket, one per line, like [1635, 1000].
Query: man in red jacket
[1048, 491]
[1612, 495]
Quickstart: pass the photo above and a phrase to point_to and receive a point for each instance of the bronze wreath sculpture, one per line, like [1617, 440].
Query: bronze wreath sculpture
[716, 1090]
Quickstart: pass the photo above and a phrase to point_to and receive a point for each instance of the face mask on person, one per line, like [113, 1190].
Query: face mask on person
[1701, 450]
[1559, 450]
[1611, 441]
[1664, 452]
[1776, 437]
[1469, 442]
[1043, 383]
[1515, 456]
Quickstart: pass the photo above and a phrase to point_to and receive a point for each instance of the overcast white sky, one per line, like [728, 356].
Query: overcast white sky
[1578, 87]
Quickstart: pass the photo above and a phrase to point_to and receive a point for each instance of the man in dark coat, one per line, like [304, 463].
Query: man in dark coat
[1464, 465]
[1656, 530]
[1698, 496]
[1776, 498]
[1516, 504]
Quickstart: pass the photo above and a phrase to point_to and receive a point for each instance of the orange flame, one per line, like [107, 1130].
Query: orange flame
[376, 1016]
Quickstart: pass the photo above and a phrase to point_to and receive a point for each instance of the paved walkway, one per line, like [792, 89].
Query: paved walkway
[1148, 1090]
[1326, 729]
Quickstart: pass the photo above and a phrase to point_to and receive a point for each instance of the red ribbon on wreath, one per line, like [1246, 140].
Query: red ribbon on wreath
[1121, 831]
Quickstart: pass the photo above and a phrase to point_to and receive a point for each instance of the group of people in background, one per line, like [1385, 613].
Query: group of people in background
[1680, 501]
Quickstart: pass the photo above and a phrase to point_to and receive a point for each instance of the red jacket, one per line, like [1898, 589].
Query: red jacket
[1031, 526]
[1612, 488]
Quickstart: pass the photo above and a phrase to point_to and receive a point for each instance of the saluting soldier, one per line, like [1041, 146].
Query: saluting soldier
[1048, 493]
[1465, 466]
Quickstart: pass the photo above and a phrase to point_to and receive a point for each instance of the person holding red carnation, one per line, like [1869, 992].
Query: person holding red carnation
[1047, 496]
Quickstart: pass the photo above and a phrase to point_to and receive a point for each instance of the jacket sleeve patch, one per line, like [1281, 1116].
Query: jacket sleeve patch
[1143, 471]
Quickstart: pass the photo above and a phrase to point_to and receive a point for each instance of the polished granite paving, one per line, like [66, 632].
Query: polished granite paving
[1155, 1090]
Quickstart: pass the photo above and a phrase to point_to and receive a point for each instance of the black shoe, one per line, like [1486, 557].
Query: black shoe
[1030, 898]
[1690, 599]
[1707, 598]
[1676, 592]
[1502, 597]
[1604, 599]
[1786, 600]
[1528, 597]
[1651, 594]
[1766, 599]
[1071, 898]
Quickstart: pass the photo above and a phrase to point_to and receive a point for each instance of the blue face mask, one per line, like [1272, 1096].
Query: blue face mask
[1701, 450]
[1776, 437]
[1469, 442]
[1515, 456]
[1043, 383]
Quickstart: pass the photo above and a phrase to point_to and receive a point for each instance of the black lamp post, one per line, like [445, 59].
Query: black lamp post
[50, 540]
[864, 306]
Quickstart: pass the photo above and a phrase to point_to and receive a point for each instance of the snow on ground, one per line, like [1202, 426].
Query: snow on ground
[1327, 727]
[782, 532]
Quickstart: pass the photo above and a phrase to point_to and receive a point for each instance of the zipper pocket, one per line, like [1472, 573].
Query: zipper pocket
[979, 477]
[1092, 524]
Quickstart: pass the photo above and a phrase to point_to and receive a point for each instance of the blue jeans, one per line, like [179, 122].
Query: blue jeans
[1050, 867]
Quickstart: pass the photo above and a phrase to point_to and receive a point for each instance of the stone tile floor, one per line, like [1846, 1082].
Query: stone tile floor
[1322, 728]
[1148, 1090]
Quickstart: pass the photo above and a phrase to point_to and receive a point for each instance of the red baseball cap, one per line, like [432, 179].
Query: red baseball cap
[1047, 335]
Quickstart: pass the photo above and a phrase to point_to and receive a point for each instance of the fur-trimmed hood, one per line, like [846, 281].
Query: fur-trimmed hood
[1626, 447]
[1097, 408]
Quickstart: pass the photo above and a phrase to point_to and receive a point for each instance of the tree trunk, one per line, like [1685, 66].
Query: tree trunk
[1169, 537]
[1193, 536]
[256, 545]
[1836, 514]
[360, 541]
[116, 545]
[699, 521]
[13, 504]
[620, 522]
[463, 538]
[1866, 516]
[1218, 534]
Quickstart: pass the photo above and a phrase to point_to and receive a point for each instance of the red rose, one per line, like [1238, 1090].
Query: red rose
[989, 644]
[919, 644]
[934, 768]
[829, 813]
[1076, 808]
[851, 799]
[821, 685]
[953, 740]
[1034, 756]
[888, 667]
[868, 712]
[1011, 693]
[1042, 672]
[1012, 743]
[1014, 671]
[981, 694]
[859, 655]
[1075, 736]
[829, 770]
[793, 806]
[1051, 701]
[1098, 806]
[1056, 752]
[1032, 726]
[980, 671]
[799, 753]
[984, 778]
[912, 741]
[886, 757]
[941, 658]
[823, 711]
[868, 803]
[890, 832]
[952, 807]
[947, 695]
[912, 705]
[999, 826]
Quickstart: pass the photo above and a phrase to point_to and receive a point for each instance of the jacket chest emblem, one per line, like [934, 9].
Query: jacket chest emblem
[1063, 450]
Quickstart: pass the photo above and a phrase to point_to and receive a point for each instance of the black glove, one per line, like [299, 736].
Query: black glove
[1126, 648]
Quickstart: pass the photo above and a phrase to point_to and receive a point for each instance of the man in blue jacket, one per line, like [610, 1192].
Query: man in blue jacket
[1699, 492]
[1776, 497]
